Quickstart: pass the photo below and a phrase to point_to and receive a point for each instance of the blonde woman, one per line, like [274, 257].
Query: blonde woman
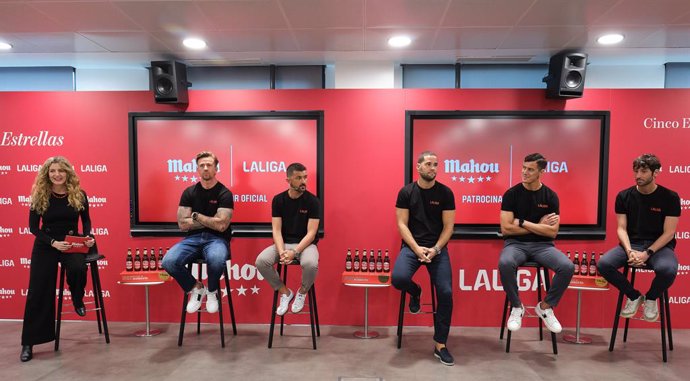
[57, 203]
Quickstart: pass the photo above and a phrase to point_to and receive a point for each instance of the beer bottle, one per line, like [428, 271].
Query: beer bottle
[152, 260]
[372, 261]
[584, 267]
[379, 262]
[137, 261]
[576, 262]
[568, 254]
[592, 266]
[160, 258]
[365, 263]
[348, 261]
[129, 266]
[145, 260]
[355, 262]
[386, 263]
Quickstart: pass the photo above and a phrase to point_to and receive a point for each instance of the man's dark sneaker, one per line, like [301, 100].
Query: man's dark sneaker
[444, 356]
[415, 305]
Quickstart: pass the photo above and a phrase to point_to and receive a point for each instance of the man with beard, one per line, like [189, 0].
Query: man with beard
[647, 216]
[529, 223]
[295, 220]
[425, 213]
[204, 212]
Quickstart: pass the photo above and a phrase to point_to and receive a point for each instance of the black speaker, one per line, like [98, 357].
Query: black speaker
[169, 82]
[566, 78]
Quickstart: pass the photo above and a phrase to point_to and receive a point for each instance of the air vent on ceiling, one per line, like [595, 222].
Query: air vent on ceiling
[495, 60]
[225, 62]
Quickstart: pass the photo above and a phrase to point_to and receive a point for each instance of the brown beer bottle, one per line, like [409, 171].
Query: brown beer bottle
[137, 261]
[152, 260]
[576, 262]
[348, 261]
[592, 266]
[129, 265]
[365, 263]
[379, 262]
[386, 263]
[160, 258]
[372, 261]
[584, 268]
[145, 260]
[355, 262]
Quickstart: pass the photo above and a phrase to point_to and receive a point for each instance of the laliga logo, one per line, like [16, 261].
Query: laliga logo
[682, 169]
[264, 166]
[5, 201]
[525, 279]
[5, 169]
[6, 263]
[96, 168]
[66, 294]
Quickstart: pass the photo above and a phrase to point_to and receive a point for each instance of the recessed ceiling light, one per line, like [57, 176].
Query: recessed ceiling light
[399, 41]
[610, 39]
[194, 43]
[5, 46]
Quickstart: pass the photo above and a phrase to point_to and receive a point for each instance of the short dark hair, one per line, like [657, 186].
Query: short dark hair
[647, 160]
[539, 158]
[295, 167]
[204, 154]
[424, 154]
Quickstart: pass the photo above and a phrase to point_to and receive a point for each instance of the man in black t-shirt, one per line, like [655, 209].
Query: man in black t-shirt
[296, 214]
[647, 216]
[425, 212]
[204, 213]
[529, 223]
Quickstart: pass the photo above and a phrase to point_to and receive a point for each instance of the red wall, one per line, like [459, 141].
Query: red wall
[364, 169]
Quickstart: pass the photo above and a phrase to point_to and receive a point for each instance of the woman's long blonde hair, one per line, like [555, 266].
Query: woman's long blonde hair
[40, 191]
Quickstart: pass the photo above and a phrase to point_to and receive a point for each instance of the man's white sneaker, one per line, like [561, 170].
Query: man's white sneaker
[515, 319]
[212, 302]
[298, 304]
[284, 303]
[631, 307]
[651, 311]
[549, 318]
[196, 296]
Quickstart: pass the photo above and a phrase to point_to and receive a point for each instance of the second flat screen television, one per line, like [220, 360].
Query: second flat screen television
[481, 154]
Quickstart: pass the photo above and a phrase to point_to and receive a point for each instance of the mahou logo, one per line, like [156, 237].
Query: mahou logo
[43, 139]
[185, 172]
[684, 204]
[5, 232]
[7, 293]
[24, 200]
[96, 201]
[5, 169]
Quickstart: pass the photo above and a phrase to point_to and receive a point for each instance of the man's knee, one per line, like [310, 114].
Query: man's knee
[399, 280]
[507, 264]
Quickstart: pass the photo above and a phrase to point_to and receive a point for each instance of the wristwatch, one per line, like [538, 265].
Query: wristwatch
[437, 249]
[650, 252]
[521, 221]
[195, 215]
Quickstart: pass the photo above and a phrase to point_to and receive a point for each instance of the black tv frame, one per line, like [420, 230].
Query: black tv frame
[239, 229]
[492, 231]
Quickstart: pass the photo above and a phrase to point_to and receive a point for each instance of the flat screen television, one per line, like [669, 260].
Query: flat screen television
[481, 154]
[253, 148]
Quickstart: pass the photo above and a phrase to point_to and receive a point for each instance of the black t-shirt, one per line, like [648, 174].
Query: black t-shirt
[426, 208]
[207, 202]
[530, 206]
[295, 214]
[646, 213]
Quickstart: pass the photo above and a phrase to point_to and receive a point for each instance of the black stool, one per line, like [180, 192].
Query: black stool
[547, 284]
[664, 318]
[185, 299]
[401, 311]
[313, 310]
[91, 261]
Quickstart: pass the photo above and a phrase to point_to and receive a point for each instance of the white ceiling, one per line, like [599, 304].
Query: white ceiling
[90, 33]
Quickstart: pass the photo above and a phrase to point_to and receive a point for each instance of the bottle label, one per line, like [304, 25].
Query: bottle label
[356, 265]
[386, 267]
[137, 266]
[152, 264]
[128, 265]
[592, 270]
[583, 269]
[379, 266]
[348, 266]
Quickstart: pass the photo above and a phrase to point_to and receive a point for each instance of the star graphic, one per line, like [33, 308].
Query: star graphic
[184, 178]
[193, 179]
[488, 178]
[471, 180]
[177, 178]
[255, 290]
[454, 178]
[480, 179]
[462, 179]
[242, 291]
[224, 292]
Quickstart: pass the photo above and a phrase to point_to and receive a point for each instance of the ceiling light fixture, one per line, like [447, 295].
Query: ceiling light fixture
[610, 39]
[399, 41]
[5, 46]
[194, 43]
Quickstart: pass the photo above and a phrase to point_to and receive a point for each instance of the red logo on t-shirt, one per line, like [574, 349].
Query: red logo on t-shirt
[653, 209]
[544, 206]
[303, 211]
[212, 201]
[432, 202]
